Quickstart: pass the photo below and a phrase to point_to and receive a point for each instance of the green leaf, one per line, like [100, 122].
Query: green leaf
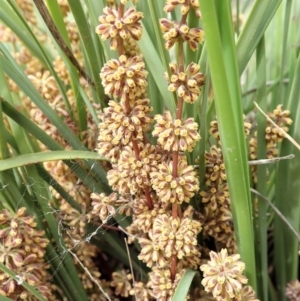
[41, 157]
[257, 22]
[222, 60]
[184, 285]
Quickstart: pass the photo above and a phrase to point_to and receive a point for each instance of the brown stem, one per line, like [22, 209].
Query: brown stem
[176, 210]
[173, 266]
[183, 19]
[108, 227]
[40, 5]
[148, 198]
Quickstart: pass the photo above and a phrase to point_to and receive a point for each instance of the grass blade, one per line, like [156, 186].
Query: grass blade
[184, 285]
[216, 18]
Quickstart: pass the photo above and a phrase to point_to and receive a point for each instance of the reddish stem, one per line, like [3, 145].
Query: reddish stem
[108, 227]
[176, 210]
[148, 198]
[128, 110]
[173, 266]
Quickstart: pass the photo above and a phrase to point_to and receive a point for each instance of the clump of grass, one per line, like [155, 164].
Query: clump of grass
[127, 129]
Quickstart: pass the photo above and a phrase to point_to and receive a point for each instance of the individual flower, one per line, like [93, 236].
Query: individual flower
[174, 189]
[103, 206]
[121, 125]
[173, 31]
[222, 275]
[293, 290]
[176, 236]
[124, 78]
[114, 27]
[174, 134]
[121, 283]
[188, 83]
[185, 7]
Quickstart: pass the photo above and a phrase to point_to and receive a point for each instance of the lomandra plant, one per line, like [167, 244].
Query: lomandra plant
[149, 150]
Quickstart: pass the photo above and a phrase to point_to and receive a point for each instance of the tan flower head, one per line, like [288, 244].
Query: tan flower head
[103, 206]
[45, 83]
[172, 189]
[282, 119]
[175, 135]
[105, 145]
[116, 182]
[121, 282]
[214, 129]
[176, 236]
[120, 125]
[222, 275]
[216, 166]
[124, 78]
[143, 216]
[162, 285]
[141, 291]
[246, 294]
[216, 195]
[293, 290]
[188, 83]
[173, 30]
[132, 171]
[185, 7]
[151, 254]
[114, 27]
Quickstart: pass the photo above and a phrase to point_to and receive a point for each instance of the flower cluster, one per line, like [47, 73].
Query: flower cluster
[273, 136]
[185, 6]
[23, 247]
[293, 290]
[175, 134]
[124, 78]
[114, 27]
[188, 83]
[224, 279]
[173, 31]
[174, 189]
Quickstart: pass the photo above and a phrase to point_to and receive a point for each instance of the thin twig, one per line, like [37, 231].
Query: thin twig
[40, 5]
[270, 161]
[90, 275]
[286, 135]
[268, 84]
[131, 269]
[128, 234]
[261, 161]
[277, 212]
